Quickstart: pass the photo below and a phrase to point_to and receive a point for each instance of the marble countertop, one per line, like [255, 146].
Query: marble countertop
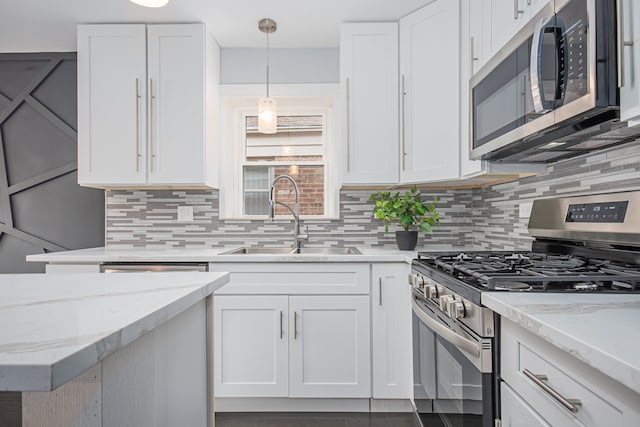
[55, 326]
[601, 330]
[104, 254]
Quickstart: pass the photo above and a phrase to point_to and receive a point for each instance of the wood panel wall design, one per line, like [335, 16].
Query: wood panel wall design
[42, 208]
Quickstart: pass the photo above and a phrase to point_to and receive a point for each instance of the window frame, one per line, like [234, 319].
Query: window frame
[240, 101]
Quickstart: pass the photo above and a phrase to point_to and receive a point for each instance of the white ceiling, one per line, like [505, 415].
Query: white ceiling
[50, 25]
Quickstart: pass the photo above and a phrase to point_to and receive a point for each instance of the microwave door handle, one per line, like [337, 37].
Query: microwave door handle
[471, 347]
[534, 67]
[561, 86]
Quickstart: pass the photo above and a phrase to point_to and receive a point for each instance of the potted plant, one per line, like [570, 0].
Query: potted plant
[409, 211]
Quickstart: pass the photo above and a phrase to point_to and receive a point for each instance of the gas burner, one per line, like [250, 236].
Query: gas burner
[462, 257]
[512, 286]
[586, 286]
[517, 257]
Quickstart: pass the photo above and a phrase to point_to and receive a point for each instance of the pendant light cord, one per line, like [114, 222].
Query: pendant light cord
[267, 64]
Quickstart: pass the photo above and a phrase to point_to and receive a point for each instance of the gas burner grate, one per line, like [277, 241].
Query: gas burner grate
[539, 271]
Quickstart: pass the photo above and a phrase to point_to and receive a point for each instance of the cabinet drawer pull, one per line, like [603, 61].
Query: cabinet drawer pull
[572, 405]
[295, 325]
[380, 290]
[281, 331]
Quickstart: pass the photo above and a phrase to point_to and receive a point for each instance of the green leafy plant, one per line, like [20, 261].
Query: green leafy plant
[408, 210]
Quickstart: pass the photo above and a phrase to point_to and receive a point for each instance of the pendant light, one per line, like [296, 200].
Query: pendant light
[150, 3]
[267, 107]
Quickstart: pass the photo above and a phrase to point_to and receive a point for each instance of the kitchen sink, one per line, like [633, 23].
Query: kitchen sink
[291, 251]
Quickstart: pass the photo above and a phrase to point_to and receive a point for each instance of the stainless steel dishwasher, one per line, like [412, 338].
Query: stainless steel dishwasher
[137, 267]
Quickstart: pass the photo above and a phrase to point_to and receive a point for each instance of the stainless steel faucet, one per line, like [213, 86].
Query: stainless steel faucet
[298, 238]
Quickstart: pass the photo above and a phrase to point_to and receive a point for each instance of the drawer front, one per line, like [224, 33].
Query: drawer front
[295, 278]
[543, 375]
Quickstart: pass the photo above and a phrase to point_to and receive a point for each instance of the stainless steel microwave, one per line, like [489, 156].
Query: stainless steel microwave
[552, 91]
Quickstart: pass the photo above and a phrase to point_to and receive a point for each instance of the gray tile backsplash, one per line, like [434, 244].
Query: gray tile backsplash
[485, 218]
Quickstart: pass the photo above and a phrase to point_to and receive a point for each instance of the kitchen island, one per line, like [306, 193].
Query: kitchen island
[108, 350]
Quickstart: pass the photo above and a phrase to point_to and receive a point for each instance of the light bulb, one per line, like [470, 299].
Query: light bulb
[150, 3]
[267, 115]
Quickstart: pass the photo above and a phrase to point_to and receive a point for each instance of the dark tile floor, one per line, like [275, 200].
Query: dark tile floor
[314, 419]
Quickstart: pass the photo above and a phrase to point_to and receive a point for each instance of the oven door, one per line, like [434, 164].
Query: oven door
[453, 375]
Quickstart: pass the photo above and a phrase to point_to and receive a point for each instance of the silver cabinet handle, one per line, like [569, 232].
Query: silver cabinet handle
[621, 43]
[281, 330]
[516, 9]
[404, 151]
[380, 290]
[137, 125]
[472, 54]
[152, 153]
[295, 325]
[572, 405]
[348, 127]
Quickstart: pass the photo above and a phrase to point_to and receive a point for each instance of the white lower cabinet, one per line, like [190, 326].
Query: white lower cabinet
[252, 346]
[284, 330]
[547, 386]
[391, 331]
[291, 346]
[516, 412]
[329, 346]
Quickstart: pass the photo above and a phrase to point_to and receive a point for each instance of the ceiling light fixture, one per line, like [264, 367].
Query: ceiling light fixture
[267, 107]
[150, 3]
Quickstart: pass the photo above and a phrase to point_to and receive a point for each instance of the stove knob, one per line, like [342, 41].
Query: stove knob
[431, 291]
[456, 309]
[444, 302]
[412, 279]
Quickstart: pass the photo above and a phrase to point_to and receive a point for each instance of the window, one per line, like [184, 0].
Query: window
[302, 148]
[297, 150]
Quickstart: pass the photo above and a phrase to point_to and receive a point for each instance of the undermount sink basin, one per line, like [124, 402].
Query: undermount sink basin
[290, 251]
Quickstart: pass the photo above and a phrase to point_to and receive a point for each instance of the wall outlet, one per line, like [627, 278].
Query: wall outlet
[185, 213]
[524, 209]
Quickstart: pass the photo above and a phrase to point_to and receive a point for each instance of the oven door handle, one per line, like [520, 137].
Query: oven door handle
[470, 346]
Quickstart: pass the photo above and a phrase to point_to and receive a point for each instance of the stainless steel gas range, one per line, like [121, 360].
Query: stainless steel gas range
[582, 244]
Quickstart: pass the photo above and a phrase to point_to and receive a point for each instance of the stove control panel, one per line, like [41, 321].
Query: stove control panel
[449, 303]
[606, 212]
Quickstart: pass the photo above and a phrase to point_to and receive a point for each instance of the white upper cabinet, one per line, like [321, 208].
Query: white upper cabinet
[112, 104]
[508, 17]
[369, 81]
[630, 48]
[430, 93]
[147, 105]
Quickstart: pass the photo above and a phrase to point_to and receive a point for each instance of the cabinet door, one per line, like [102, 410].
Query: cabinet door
[471, 57]
[507, 17]
[250, 346]
[516, 412]
[391, 331]
[430, 85]
[329, 346]
[630, 89]
[176, 60]
[111, 104]
[369, 79]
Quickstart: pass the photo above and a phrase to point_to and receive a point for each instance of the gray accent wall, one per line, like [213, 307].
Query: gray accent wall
[484, 218]
[42, 208]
